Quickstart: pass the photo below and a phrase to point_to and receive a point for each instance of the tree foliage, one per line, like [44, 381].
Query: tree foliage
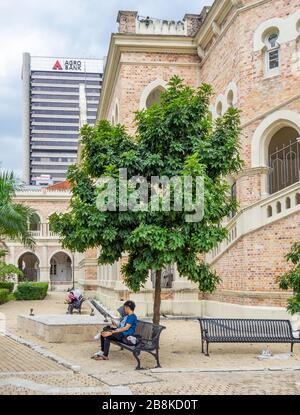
[291, 279]
[14, 217]
[173, 138]
[7, 271]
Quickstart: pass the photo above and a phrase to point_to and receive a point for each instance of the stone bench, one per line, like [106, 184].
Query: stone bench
[62, 328]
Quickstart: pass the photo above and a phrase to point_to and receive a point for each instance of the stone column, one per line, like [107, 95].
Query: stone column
[180, 283]
[44, 265]
[252, 185]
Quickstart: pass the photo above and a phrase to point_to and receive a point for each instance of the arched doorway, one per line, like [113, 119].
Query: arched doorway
[29, 264]
[284, 159]
[60, 268]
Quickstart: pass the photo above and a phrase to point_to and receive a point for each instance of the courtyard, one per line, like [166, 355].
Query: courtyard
[31, 366]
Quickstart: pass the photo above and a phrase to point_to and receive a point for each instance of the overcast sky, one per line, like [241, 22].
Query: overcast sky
[71, 28]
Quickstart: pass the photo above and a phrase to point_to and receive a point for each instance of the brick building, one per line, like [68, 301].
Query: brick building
[249, 51]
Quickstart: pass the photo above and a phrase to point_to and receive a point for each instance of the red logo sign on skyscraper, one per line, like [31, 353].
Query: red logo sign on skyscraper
[57, 66]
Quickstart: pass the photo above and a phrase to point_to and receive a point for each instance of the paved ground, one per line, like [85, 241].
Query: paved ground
[37, 367]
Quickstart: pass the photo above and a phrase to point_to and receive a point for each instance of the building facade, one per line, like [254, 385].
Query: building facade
[48, 262]
[249, 51]
[52, 90]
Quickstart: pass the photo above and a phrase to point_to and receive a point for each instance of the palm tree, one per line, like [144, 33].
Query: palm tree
[14, 217]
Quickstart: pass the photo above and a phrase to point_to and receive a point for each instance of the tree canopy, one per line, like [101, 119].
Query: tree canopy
[175, 138]
[291, 279]
[14, 217]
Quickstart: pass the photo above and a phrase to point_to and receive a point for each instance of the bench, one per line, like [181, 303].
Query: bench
[148, 334]
[231, 330]
[78, 307]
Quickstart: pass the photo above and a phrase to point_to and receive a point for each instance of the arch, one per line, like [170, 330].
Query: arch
[288, 203]
[221, 105]
[297, 199]
[266, 130]
[231, 92]
[117, 111]
[157, 83]
[269, 211]
[29, 263]
[60, 267]
[278, 207]
[57, 251]
[34, 224]
[287, 28]
[219, 108]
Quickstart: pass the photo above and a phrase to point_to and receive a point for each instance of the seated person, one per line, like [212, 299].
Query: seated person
[74, 299]
[120, 332]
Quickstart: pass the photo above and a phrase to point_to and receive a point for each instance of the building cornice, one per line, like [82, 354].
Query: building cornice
[212, 25]
[42, 195]
[132, 42]
[212, 28]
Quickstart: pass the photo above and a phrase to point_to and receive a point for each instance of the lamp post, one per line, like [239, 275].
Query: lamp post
[73, 271]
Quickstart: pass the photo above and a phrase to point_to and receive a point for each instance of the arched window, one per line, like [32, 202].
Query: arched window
[284, 159]
[219, 108]
[152, 93]
[34, 223]
[154, 97]
[117, 114]
[272, 51]
[230, 98]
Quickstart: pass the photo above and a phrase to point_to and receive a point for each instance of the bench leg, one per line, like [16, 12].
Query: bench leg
[292, 347]
[202, 348]
[207, 344]
[136, 355]
[157, 358]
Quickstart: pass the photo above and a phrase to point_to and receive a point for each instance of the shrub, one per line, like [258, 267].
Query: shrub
[7, 285]
[31, 291]
[291, 279]
[3, 295]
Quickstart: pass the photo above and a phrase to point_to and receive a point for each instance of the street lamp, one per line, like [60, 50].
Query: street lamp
[73, 271]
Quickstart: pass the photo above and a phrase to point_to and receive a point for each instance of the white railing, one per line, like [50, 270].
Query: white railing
[43, 232]
[261, 213]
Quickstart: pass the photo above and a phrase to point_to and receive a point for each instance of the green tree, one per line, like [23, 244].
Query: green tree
[291, 279]
[14, 217]
[7, 271]
[174, 138]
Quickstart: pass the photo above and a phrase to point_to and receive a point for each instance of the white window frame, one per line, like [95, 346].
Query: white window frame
[269, 72]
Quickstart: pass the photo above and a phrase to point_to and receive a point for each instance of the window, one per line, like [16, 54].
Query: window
[34, 223]
[53, 267]
[230, 97]
[219, 108]
[273, 52]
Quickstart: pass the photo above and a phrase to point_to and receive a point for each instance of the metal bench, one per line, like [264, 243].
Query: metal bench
[230, 330]
[148, 335]
[78, 307]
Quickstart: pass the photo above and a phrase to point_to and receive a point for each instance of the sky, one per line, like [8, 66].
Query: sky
[70, 28]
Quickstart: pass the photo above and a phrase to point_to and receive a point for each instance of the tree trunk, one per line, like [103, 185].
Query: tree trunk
[157, 297]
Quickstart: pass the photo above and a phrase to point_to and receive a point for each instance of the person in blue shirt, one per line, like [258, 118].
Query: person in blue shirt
[126, 327]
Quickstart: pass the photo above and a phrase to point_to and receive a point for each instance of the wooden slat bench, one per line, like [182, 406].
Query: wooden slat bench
[230, 330]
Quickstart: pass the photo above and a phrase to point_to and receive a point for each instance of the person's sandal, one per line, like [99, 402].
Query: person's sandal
[101, 358]
[97, 354]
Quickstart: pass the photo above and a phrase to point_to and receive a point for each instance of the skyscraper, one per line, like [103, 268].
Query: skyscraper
[51, 112]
